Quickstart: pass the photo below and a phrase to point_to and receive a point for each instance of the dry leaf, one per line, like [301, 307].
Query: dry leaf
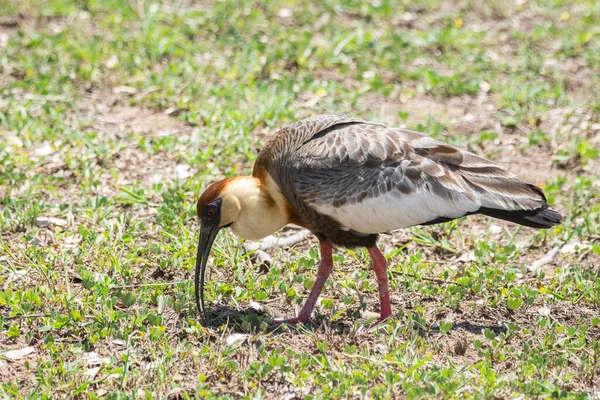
[183, 171]
[112, 61]
[544, 311]
[468, 256]
[284, 13]
[255, 306]
[92, 372]
[48, 221]
[44, 150]
[236, 337]
[124, 90]
[19, 354]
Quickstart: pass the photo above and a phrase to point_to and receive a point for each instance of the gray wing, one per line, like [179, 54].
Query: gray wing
[372, 179]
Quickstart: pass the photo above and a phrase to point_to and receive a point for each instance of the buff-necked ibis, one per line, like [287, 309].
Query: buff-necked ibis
[347, 180]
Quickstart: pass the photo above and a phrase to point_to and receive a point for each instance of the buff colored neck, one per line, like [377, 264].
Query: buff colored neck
[260, 207]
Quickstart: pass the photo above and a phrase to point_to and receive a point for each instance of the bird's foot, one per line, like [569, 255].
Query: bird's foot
[289, 321]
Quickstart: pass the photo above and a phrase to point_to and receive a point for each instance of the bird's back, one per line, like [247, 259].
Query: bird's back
[350, 178]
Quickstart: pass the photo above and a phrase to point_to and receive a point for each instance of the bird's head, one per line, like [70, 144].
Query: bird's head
[242, 204]
[217, 208]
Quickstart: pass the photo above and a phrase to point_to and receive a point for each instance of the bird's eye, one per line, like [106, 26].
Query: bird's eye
[210, 213]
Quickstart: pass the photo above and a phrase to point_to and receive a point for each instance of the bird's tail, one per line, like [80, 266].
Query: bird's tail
[540, 218]
[511, 199]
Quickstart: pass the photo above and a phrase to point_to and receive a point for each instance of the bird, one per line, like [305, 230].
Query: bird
[348, 180]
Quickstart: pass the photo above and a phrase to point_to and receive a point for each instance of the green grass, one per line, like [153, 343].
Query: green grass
[114, 115]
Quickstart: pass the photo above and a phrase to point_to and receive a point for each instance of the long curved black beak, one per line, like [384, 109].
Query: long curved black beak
[208, 233]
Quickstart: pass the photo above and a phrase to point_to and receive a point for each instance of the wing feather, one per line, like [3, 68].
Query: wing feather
[371, 178]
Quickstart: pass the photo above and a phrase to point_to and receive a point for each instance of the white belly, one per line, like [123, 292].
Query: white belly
[396, 210]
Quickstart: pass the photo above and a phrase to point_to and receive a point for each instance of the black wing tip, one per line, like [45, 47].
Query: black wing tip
[540, 218]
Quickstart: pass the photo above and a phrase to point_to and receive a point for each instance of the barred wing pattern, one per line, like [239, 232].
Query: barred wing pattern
[372, 179]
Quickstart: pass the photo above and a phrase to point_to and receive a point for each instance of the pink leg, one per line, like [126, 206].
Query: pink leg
[325, 268]
[380, 268]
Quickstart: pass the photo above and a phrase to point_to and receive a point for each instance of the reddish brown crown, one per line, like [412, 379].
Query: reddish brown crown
[211, 194]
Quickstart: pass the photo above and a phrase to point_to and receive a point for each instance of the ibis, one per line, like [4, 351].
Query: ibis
[347, 181]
